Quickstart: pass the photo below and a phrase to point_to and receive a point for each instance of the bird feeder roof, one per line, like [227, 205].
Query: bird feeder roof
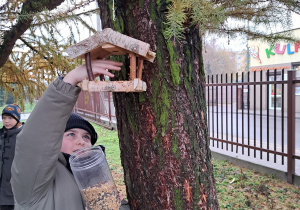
[109, 42]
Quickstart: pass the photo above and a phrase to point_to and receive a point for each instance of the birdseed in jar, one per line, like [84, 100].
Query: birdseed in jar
[101, 197]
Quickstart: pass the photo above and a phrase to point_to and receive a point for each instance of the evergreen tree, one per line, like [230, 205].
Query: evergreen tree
[33, 38]
[163, 131]
[2, 96]
[10, 99]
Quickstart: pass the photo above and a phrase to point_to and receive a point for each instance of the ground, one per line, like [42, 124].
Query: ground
[237, 187]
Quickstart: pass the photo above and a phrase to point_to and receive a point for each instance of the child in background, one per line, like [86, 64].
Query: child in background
[11, 127]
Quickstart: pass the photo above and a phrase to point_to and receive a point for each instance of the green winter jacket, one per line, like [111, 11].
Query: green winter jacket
[40, 179]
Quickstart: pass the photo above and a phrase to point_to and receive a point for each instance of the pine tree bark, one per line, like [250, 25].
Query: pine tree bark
[163, 132]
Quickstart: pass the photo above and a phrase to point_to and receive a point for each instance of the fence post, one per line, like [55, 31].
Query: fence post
[291, 127]
[109, 108]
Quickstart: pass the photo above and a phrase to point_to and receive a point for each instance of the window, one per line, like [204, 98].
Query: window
[275, 91]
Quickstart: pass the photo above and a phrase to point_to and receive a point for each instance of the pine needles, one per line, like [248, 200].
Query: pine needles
[258, 19]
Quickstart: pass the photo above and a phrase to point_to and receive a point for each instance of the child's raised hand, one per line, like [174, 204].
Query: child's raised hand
[98, 67]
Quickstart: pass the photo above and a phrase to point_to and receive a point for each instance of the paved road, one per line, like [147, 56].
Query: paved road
[232, 126]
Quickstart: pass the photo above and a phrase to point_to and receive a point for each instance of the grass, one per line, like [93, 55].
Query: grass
[110, 140]
[237, 187]
[241, 188]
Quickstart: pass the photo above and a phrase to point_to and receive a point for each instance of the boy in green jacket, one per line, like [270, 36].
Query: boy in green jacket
[40, 175]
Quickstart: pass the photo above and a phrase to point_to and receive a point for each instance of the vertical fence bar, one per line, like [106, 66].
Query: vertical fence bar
[237, 110]
[212, 107]
[208, 113]
[254, 113]
[275, 107]
[268, 110]
[231, 111]
[222, 109]
[282, 116]
[248, 107]
[94, 106]
[226, 111]
[260, 114]
[242, 104]
[291, 127]
[109, 108]
[217, 106]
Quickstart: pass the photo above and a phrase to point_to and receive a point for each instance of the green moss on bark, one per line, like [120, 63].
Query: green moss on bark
[188, 55]
[131, 118]
[164, 96]
[163, 119]
[142, 97]
[141, 3]
[177, 199]
[118, 23]
[155, 87]
[175, 70]
[174, 147]
[152, 11]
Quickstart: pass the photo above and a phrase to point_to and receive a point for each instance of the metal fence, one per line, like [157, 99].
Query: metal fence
[98, 107]
[240, 119]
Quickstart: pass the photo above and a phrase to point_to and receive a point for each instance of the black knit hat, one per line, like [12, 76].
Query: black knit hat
[76, 121]
[13, 110]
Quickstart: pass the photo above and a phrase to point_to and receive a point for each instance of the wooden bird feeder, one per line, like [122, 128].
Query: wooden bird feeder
[104, 44]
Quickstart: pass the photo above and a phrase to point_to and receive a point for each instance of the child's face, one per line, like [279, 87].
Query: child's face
[8, 121]
[75, 139]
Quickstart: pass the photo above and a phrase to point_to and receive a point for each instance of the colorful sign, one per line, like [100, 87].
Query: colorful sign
[282, 49]
[297, 91]
[254, 51]
[264, 68]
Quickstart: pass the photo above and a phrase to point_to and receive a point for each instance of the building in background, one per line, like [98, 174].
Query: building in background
[281, 55]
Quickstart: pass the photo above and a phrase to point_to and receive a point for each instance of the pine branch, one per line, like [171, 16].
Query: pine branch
[32, 48]
[10, 37]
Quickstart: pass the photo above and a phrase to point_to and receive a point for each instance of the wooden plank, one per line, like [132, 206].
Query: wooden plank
[140, 68]
[135, 85]
[109, 36]
[132, 58]
[150, 56]
[98, 53]
[113, 49]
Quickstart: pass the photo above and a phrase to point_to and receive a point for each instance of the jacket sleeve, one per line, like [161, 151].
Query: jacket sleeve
[39, 143]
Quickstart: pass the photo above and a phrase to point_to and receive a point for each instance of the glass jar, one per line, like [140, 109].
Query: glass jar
[93, 177]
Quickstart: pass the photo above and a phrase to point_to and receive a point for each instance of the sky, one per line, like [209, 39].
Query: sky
[240, 44]
[237, 44]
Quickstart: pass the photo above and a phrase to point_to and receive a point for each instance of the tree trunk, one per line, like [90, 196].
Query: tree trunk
[163, 132]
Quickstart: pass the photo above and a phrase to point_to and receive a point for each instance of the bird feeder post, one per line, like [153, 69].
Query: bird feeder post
[140, 68]
[89, 66]
[132, 58]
